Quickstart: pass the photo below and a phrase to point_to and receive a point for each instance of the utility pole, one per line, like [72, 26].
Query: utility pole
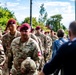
[31, 13]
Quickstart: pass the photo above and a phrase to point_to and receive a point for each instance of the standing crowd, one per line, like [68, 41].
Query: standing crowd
[31, 51]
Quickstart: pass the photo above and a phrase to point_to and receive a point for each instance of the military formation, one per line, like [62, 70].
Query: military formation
[24, 51]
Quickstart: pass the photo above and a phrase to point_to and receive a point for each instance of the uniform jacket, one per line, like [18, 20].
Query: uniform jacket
[65, 57]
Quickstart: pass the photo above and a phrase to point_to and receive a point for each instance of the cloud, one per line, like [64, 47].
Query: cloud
[67, 19]
[55, 3]
[19, 8]
[10, 4]
[72, 0]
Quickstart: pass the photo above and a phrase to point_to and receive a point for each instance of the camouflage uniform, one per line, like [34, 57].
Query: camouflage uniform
[6, 41]
[37, 39]
[2, 58]
[45, 44]
[23, 50]
[49, 44]
[54, 37]
[28, 67]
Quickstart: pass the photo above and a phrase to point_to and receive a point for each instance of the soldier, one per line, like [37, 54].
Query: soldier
[2, 59]
[28, 67]
[23, 47]
[44, 41]
[7, 39]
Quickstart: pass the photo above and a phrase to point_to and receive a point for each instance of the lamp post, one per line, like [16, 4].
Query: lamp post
[31, 13]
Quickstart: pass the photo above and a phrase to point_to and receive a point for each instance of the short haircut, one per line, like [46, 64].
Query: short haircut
[72, 27]
[60, 33]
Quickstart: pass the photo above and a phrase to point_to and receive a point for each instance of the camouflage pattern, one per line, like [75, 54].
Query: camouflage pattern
[6, 42]
[23, 50]
[7, 39]
[37, 39]
[2, 59]
[49, 44]
[43, 39]
[54, 37]
[33, 37]
[46, 43]
[28, 67]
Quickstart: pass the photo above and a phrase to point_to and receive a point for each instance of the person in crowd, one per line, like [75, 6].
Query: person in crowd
[23, 47]
[57, 43]
[7, 39]
[65, 56]
[44, 41]
[2, 59]
[28, 67]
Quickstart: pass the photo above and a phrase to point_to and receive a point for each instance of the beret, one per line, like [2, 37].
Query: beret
[32, 29]
[24, 26]
[38, 27]
[11, 21]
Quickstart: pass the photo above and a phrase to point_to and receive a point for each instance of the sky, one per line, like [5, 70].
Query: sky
[21, 9]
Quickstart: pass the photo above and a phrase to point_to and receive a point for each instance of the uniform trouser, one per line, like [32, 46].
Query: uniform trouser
[9, 60]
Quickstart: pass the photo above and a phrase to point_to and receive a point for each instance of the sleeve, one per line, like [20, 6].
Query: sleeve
[54, 63]
[13, 47]
[54, 49]
[37, 52]
[2, 55]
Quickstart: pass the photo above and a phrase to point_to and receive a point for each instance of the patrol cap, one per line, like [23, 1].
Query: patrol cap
[25, 26]
[38, 27]
[28, 65]
[11, 21]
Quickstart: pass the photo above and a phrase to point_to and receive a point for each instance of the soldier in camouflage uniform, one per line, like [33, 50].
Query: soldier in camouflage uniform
[2, 58]
[23, 47]
[45, 43]
[49, 43]
[28, 67]
[7, 39]
[53, 37]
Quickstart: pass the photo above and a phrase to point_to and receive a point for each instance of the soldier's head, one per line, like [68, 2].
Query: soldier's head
[25, 30]
[38, 29]
[12, 24]
[33, 30]
[72, 30]
[28, 66]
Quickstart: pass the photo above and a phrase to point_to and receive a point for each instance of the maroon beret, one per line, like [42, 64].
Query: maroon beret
[32, 29]
[11, 21]
[38, 27]
[24, 26]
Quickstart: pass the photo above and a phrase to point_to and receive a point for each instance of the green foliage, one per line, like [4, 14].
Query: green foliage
[55, 22]
[5, 15]
[34, 21]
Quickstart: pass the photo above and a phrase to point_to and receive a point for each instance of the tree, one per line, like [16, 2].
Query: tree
[5, 15]
[43, 15]
[34, 21]
[54, 22]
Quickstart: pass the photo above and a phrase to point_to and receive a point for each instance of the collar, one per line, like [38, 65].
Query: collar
[14, 34]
